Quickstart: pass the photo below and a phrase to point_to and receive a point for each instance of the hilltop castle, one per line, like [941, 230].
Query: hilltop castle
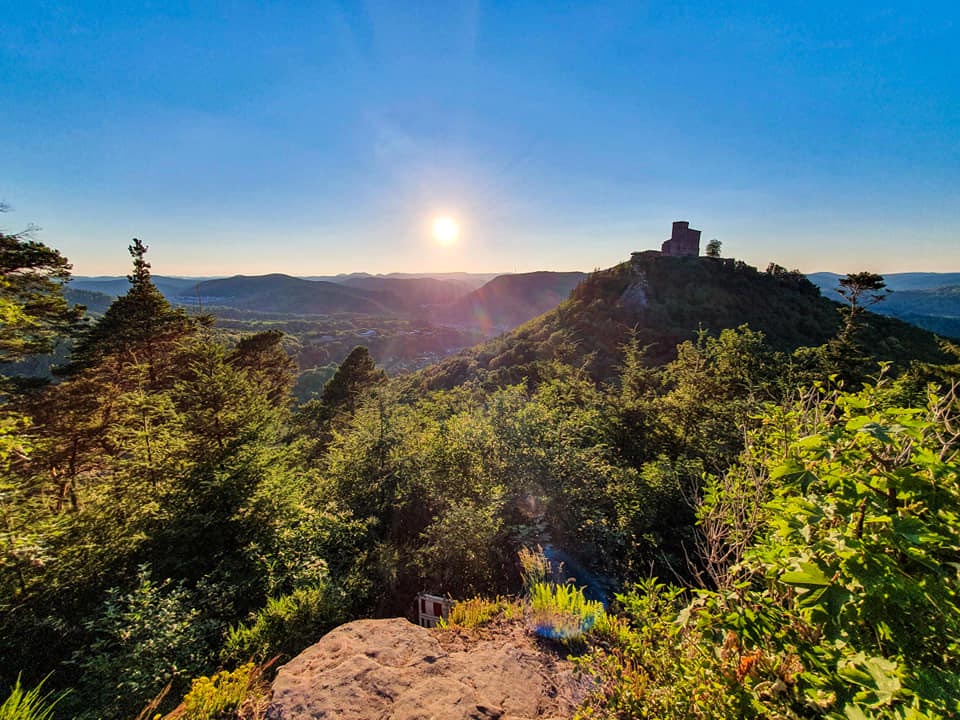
[683, 241]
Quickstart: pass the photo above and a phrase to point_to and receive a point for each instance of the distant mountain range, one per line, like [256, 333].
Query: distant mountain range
[115, 286]
[897, 282]
[929, 300]
[492, 303]
[471, 280]
[286, 294]
[412, 293]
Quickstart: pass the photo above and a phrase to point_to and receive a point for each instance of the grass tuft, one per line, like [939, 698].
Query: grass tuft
[25, 704]
[479, 611]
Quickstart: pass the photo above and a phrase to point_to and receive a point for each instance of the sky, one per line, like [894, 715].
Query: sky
[315, 138]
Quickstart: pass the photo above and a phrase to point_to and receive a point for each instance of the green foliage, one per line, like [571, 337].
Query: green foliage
[309, 385]
[460, 547]
[143, 639]
[266, 364]
[478, 611]
[342, 395]
[843, 597]
[861, 289]
[356, 373]
[287, 624]
[33, 310]
[20, 542]
[863, 546]
[649, 665]
[23, 704]
[138, 324]
[165, 449]
[219, 695]
[713, 389]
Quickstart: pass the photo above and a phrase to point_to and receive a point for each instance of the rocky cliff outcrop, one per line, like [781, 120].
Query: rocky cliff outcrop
[378, 669]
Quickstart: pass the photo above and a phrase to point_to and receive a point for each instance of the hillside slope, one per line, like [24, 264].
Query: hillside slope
[511, 300]
[936, 309]
[665, 300]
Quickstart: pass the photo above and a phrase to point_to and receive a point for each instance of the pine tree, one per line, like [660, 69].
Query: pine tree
[136, 324]
[267, 363]
[341, 396]
[33, 311]
[357, 372]
[861, 290]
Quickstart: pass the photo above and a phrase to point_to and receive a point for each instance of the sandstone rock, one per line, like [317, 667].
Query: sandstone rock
[379, 669]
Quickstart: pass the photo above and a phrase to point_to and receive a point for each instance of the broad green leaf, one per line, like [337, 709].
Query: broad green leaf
[809, 574]
[853, 712]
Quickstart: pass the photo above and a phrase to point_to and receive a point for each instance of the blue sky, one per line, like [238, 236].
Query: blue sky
[316, 138]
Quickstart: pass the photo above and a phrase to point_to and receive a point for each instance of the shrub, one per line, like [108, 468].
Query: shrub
[142, 639]
[287, 624]
[649, 665]
[844, 601]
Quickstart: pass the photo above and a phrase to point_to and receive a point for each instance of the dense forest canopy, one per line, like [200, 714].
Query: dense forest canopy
[789, 470]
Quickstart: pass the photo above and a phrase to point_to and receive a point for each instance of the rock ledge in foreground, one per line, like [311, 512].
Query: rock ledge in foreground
[379, 669]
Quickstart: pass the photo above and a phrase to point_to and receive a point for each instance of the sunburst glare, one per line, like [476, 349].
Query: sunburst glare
[446, 230]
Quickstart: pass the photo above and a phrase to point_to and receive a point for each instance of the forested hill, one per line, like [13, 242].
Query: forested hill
[286, 294]
[511, 300]
[663, 301]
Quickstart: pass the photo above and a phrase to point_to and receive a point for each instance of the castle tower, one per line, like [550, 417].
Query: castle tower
[683, 240]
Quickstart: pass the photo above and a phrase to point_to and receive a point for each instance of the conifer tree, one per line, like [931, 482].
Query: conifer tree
[341, 396]
[266, 362]
[357, 372]
[844, 354]
[33, 311]
[861, 290]
[137, 323]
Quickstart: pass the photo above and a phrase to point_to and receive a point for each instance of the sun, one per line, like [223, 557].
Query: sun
[446, 230]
